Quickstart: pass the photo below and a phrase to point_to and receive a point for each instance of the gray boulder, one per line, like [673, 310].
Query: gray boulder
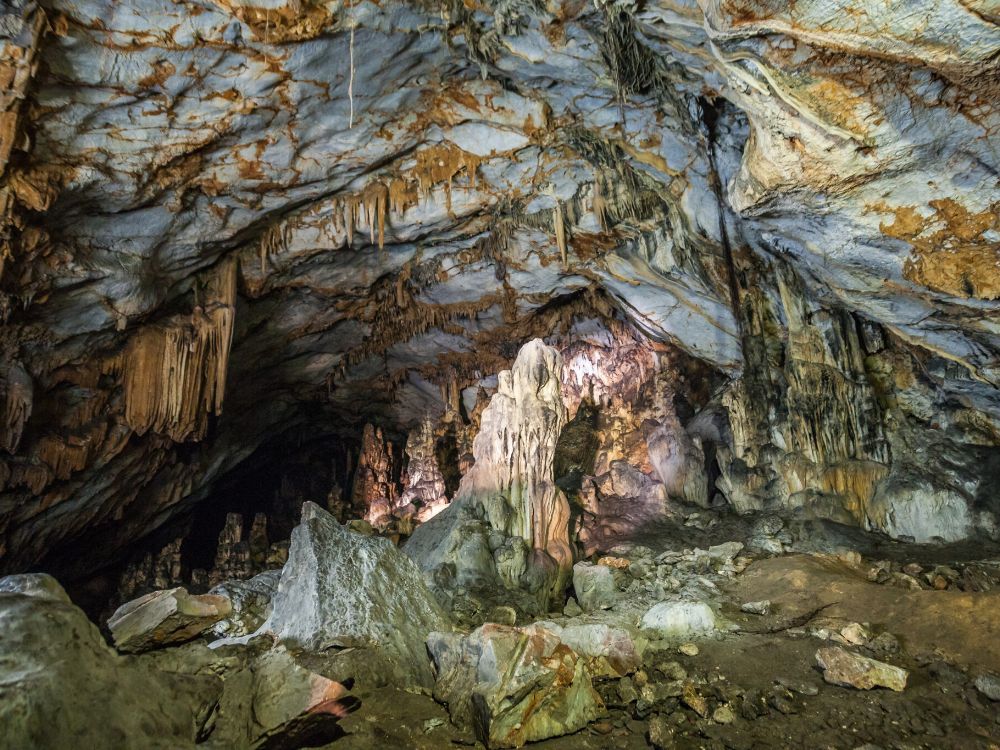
[61, 685]
[340, 588]
[163, 618]
[595, 586]
[250, 600]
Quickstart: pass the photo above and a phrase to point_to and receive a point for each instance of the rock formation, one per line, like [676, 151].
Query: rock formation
[423, 486]
[508, 506]
[342, 589]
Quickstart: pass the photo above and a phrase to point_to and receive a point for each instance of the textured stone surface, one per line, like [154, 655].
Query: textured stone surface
[841, 667]
[250, 601]
[678, 619]
[62, 686]
[319, 233]
[513, 685]
[340, 588]
[594, 586]
[165, 617]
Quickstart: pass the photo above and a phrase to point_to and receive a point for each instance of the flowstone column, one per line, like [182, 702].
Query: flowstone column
[508, 523]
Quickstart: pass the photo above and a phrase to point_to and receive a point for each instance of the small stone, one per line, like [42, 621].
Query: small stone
[723, 715]
[572, 609]
[672, 670]
[610, 561]
[432, 724]
[989, 685]
[841, 667]
[688, 649]
[594, 586]
[694, 700]
[661, 733]
[678, 618]
[913, 569]
[724, 553]
[602, 727]
[885, 643]
[762, 607]
[855, 634]
[796, 686]
[939, 583]
[626, 691]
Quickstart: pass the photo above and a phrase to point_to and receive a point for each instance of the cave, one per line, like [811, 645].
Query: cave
[500, 374]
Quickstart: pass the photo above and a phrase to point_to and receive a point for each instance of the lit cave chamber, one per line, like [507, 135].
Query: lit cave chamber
[578, 374]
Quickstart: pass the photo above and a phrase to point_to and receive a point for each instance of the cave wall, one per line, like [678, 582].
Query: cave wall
[325, 213]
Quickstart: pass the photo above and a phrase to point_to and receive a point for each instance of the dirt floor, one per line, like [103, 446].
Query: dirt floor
[765, 670]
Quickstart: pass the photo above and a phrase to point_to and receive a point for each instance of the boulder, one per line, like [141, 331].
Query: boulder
[340, 588]
[163, 618]
[610, 651]
[61, 685]
[513, 685]
[293, 707]
[250, 601]
[595, 586]
[679, 618]
[39, 585]
[842, 667]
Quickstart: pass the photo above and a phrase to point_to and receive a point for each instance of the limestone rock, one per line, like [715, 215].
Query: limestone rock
[989, 685]
[63, 686]
[595, 586]
[510, 488]
[513, 685]
[610, 651]
[39, 585]
[841, 667]
[679, 619]
[291, 706]
[250, 601]
[340, 588]
[423, 487]
[163, 618]
[762, 607]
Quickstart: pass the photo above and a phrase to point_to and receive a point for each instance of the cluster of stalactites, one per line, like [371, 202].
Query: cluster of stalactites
[174, 372]
[368, 208]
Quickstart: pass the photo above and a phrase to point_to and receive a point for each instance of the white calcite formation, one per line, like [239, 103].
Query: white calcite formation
[423, 493]
[509, 522]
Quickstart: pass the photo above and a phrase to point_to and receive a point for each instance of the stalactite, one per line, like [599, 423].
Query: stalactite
[599, 206]
[174, 372]
[275, 240]
[16, 395]
[560, 229]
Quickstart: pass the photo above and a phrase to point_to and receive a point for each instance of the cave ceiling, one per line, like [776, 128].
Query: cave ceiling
[334, 210]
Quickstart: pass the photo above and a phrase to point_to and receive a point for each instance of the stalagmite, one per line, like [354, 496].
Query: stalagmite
[174, 372]
[374, 492]
[511, 487]
[424, 486]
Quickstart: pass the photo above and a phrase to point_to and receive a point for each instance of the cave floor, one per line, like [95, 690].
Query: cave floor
[771, 679]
